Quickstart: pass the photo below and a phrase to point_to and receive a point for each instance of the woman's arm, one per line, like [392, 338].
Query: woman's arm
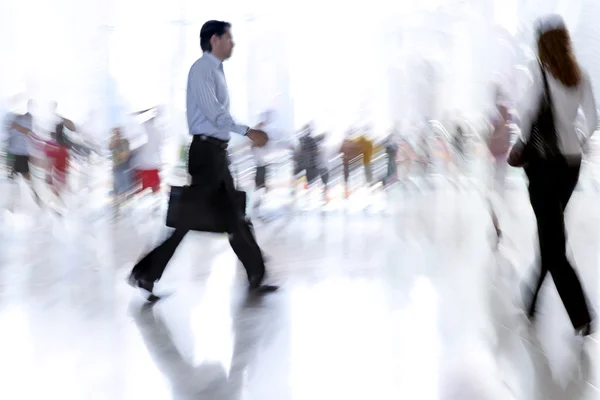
[588, 106]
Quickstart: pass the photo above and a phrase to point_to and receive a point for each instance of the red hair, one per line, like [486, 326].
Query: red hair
[556, 54]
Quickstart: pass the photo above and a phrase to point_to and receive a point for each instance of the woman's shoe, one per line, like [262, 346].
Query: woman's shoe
[146, 287]
[584, 330]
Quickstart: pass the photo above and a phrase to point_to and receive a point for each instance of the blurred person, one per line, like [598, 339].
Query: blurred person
[121, 160]
[357, 144]
[308, 157]
[62, 121]
[391, 151]
[425, 158]
[261, 154]
[446, 154]
[459, 144]
[323, 162]
[268, 154]
[20, 134]
[147, 158]
[499, 145]
[75, 143]
[552, 179]
[210, 123]
[57, 151]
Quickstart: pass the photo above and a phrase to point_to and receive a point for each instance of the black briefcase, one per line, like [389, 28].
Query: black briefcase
[198, 209]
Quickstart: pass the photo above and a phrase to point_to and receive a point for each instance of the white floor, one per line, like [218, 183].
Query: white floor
[410, 301]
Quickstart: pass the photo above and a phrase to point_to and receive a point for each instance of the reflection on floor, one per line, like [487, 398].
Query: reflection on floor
[410, 303]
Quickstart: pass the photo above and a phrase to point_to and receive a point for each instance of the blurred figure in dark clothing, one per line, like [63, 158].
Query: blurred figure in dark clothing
[553, 172]
[391, 150]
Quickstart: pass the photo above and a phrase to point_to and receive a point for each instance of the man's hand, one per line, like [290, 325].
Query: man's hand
[69, 124]
[259, 137]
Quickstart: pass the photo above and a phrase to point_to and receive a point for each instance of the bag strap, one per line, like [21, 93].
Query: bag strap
[546, 86]
[554, 137]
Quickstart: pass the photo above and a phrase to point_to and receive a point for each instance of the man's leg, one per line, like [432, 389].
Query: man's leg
[260, 179]
[241, 236]
[208, 166]
[152, 266]
[325, 180]
[312, 173]
[13, 192]
[25, 171]
[346, 165]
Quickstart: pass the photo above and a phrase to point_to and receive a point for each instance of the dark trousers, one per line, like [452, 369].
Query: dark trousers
[551, 184]
[312, 173]
[260, 178]
[368, 172]
[208, 166]
[392, 168]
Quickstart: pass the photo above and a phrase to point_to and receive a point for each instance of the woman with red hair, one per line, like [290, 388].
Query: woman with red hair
[551, 155]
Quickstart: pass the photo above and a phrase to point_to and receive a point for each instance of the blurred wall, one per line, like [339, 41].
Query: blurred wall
[370, 62]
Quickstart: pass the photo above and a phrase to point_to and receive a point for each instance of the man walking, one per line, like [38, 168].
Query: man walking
[211, 124]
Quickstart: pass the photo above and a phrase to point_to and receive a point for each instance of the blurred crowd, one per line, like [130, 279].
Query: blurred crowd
[45, 148]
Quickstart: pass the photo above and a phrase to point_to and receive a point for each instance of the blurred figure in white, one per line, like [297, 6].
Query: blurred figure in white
[20, 134]
[261, 154]
[266, 156]
[146, 159]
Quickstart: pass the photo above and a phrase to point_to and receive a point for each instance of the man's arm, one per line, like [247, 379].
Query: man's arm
[20, 129]
[68, 124]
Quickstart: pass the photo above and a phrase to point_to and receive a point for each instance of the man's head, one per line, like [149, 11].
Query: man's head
[215, 38]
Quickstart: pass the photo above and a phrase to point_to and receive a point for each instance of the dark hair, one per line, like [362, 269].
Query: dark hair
[556, 54]
[60, 136]
[209, 29]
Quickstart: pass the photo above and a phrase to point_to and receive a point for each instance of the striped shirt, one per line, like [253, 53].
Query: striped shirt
[208, 100]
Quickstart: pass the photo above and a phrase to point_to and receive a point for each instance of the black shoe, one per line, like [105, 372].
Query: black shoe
[264, 289]
[584, 330]
[256, 285]
[146, 286]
